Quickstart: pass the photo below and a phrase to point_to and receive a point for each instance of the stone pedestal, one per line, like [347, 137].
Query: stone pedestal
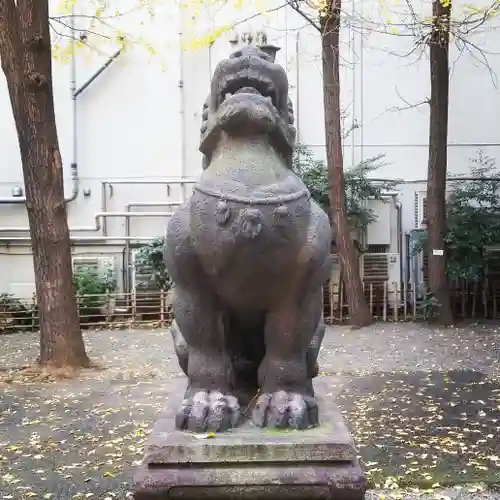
[252, 463]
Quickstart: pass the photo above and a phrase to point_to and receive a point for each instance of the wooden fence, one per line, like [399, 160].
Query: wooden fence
[112, 310]
[388, 301]
[394, 301]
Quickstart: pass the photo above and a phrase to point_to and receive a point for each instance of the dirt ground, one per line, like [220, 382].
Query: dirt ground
[423, 406]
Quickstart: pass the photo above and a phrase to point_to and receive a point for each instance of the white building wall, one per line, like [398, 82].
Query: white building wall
[140, 119]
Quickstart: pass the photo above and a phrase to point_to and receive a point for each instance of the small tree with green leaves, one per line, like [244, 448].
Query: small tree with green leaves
[357, 185]
[473, 221]
[92, 287]
[150, 263]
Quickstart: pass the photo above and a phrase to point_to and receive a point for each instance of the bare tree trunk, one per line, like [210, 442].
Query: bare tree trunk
[25, 53]
[359, 311]
[438, 157]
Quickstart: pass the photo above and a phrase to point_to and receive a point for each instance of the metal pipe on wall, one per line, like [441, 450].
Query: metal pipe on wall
[98, 240]
[139, 204]
[361, 84]
[104, 214]
[126, 251]
[112, 59]
[182, 112]
[75, 92]
[297, 85]
[399, 225]
[182, 92]
[110, 182]
[448, 179]
[98, 225]
[74, 163]
[75, 180]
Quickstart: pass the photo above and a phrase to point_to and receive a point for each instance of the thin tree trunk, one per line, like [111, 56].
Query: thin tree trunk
[359, 311]
[25, 53]
[438, 157]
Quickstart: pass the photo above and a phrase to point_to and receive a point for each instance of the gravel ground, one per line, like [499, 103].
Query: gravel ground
[423, 406]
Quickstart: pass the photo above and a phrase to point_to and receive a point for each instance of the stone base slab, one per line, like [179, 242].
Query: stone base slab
[303, 481]
[252, 463]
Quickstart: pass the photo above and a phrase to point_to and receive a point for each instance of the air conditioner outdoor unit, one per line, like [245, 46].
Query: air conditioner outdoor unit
[380, 268]
[98, 263]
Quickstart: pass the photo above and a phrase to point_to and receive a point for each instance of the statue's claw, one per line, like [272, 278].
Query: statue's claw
[208, 411]
[285, 410]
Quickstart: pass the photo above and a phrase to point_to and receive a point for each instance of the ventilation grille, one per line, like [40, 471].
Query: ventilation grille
[96, 264]
[425, 265]
[416, 211]
[375, 267]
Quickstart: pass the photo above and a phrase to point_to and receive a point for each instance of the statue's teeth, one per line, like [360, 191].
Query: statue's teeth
[228, 95]
[270, 99]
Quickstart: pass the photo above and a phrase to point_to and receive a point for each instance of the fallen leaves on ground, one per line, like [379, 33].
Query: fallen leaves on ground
[80, 438]
[430, 429]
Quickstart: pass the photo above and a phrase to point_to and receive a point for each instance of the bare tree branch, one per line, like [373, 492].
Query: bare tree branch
[80, 40]
[294, 4]
[83, 31]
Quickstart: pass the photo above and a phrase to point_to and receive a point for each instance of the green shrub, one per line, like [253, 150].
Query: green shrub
[150, 265]
[358, 186]
[15, 315]
[92, 287]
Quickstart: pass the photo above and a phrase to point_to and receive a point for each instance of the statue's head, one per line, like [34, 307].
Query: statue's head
[248, 97]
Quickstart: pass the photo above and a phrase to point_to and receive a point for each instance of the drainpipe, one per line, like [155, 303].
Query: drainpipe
[361, 85]
[113, 58]
[75, 181]
[74, 164]
[82, 89]
[75, 92]
[297, 85]
[399, 208]
[183, 108]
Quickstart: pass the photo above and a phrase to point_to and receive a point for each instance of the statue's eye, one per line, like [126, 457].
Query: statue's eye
[236, 54]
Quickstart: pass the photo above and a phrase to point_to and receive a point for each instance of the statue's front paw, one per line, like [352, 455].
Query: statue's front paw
[210, 411]
[285, 410]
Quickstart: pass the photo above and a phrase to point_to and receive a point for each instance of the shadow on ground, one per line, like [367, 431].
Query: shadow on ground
[425, 428]
[74, 441]
[79, 439]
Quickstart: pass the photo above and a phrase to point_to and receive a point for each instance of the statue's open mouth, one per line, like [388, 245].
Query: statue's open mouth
[249, 85]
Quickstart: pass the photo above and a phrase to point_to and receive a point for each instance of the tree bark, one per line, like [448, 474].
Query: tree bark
[359, 311]
[438, 156]
[25, 52]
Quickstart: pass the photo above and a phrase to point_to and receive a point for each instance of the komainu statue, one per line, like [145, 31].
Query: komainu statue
[248, 253]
